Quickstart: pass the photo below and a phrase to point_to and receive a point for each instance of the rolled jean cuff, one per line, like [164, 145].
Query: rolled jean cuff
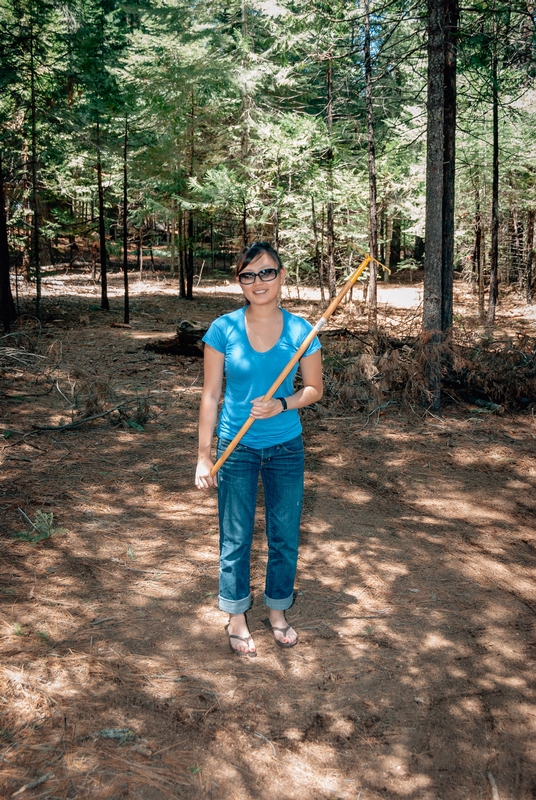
[279, 605]
[234, 606]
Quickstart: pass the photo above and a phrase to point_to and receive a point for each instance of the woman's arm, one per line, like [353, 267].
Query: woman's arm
[208, 414]
[311, 370]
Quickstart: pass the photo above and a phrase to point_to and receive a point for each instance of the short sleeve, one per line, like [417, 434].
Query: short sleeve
[215, 336]
[313, 347]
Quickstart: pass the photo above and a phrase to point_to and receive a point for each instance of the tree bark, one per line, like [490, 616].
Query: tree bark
[373, 208]
[126, 315]
[7, 306]
[494, 265]
[449, 162]
[433, 262]
[190, 262]
[477, 254]
[35, 202]
[182, 256]
[172, 248]
[388, 236]
[102, 230]
[318, 259]
[530, 255]
[212, 253]
[330, 233]
[395, 242]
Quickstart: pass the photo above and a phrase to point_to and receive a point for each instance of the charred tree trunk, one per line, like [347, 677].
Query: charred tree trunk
[102, 230]
[7, 306]
[373, 209]
[126, 315]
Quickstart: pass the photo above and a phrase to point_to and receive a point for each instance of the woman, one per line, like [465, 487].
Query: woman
[250, 347]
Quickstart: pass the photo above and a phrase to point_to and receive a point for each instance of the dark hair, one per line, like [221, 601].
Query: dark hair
[253, 251]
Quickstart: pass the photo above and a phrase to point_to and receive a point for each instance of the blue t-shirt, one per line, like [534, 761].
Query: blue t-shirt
[249, 374]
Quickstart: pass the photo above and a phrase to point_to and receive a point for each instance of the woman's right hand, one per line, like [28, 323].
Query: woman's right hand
[203, 478]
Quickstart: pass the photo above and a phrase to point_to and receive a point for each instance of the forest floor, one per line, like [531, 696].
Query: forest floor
[414, 676]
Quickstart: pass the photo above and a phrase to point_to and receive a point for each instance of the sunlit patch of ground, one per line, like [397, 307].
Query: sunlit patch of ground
[414, 674]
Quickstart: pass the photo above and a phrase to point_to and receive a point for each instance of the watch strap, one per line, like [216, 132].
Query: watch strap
[283, 402]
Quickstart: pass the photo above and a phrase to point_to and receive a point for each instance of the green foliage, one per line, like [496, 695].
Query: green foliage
[43, 528]
[226, 106]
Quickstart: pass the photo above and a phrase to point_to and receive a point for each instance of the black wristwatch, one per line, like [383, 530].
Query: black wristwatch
[283, 403]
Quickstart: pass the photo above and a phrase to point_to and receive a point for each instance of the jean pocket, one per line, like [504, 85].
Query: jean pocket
[223, 444]
[293, 445]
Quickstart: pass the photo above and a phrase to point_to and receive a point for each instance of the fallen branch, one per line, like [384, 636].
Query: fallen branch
[78, 424]
[27, 518]
[262, 736]
[494, 790]
[33, 784]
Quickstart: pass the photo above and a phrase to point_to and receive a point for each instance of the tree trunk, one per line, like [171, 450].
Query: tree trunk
[190, 262]
[373, 209]
[418, 250]
[477, 247]
[449, 162]
[245, 110]
[7, 306]
[318, 259]
[494, 266]
[395, 242]
[530, 255]
[126, 315]
[245, 223]
[388, 237]
[35, 205]
[102, 230]
[433, 261]
[330, 234]
[140, 250]
[172, 248]
[182, 256]
[212, 253]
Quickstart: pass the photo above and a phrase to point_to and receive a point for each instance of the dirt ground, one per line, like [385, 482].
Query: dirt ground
[415, 600]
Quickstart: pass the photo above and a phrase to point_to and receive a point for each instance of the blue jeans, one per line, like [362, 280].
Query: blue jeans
[281, 469]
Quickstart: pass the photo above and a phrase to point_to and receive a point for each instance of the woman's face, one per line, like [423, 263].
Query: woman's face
[262, 292]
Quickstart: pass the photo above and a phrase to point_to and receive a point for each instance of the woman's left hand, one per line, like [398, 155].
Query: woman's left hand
[264, 409]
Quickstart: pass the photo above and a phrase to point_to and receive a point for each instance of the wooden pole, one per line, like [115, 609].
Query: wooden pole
[294, 360]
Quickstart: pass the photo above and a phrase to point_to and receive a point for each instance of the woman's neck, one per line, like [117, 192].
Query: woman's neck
[263, 313]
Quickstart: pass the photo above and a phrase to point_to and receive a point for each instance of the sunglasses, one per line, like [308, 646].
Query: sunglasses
[266, 275]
